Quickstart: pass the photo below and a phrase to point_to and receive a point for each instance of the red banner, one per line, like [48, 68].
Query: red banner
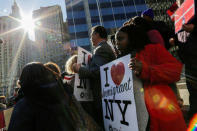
[171, 11]
[184, 14]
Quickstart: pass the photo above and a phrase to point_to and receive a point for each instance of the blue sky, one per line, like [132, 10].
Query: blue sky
[29, 5]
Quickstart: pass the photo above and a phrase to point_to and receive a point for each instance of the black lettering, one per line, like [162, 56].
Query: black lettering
[117, 89]
[108, 109]
[106, 76]
[125, 86]
[84, 56]
[123, 111]
[114, 91]
[129, 83]
[121, 88]
[82, 84]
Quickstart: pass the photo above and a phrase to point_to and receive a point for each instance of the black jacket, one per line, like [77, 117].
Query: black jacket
[47, 110]
[188, 52]
[165, 31]
[52, 108]
[187, 44]
[29, 117]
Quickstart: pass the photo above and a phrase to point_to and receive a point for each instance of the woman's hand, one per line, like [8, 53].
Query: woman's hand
[188, 27]
[75, 67]
[136, 66]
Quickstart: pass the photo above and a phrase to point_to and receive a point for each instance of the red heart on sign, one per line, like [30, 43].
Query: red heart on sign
[117, 73]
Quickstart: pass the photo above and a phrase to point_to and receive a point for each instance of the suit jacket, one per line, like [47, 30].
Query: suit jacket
[103, 54]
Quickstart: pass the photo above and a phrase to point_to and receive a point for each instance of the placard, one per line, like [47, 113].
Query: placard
[171, 11]
[82, 89]
[184, 14]
[119, 109]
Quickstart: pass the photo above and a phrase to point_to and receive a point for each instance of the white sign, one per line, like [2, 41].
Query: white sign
[119, 110]
[82, 90]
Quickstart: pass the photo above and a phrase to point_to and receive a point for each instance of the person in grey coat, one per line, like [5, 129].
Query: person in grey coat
[102, 54]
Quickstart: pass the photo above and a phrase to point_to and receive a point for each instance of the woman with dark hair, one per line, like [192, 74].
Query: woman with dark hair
[112, 39]
[42, 107]
[155, 38]
[123, 36]
[157, 68]
[153, 34]
[45, 105]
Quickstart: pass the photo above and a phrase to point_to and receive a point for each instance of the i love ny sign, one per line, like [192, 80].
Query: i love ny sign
[119, 110]
[82, 90]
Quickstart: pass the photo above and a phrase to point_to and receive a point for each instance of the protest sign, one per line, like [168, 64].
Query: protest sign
[171, 11]
[119, 110]
[184, 14]
[82, 89]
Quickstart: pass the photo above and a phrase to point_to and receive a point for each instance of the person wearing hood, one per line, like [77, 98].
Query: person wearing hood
[45, 105]
[42, 108]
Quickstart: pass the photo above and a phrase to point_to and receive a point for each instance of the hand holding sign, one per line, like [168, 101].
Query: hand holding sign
[76, 67]
[82, 89]
[135, 65]
[119, 110]
[183, 14]
[188, 27]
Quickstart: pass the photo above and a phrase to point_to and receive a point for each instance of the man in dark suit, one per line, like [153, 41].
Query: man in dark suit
[103, 54]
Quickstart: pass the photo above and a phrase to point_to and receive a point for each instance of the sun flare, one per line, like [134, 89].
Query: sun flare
[28, 24]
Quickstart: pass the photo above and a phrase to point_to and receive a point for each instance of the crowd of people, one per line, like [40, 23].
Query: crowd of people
[45, 100]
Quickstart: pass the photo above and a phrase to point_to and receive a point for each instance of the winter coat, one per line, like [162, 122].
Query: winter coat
[51, 109]
[159, 69]
[187, 43]
[45, 110]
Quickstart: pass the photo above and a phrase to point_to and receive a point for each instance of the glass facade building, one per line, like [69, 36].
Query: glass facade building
[84, 14]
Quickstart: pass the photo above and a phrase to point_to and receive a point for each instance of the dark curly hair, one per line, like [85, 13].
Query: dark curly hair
[139, 21]
[137, 38]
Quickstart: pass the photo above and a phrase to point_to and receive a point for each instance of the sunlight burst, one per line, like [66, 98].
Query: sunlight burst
[28, 25]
